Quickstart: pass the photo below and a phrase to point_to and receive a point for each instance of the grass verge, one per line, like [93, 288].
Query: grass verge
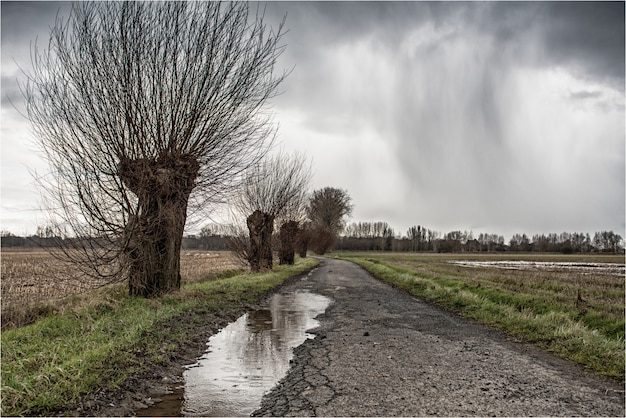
[542, 309]
[61, 359]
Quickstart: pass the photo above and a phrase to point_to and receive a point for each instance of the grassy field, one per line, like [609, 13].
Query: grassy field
[35, 283]
[104, 336]
[573, 305]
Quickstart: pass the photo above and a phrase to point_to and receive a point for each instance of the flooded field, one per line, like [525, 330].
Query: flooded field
[575, 267]
[244, 360]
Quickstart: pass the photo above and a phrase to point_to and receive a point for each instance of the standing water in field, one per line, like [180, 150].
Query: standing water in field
[247, 358]
[613, 269]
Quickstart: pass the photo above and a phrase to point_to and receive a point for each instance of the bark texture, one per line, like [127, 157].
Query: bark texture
[261, 226]
[302, 240]
[288, 234]
[154, 234]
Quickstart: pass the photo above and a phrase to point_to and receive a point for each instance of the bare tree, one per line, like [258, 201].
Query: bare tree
[288, 236]
[327, 210]
[303, 238]
[145, 112]
[321, 239]
[274, 189]
[414, 234]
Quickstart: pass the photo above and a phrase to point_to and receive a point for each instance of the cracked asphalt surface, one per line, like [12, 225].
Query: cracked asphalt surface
[382, 352]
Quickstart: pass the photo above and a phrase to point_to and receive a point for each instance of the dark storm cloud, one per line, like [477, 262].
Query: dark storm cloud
[587, 35]
[497, 116]
[444, 84]
[22, 21]
[24, 26]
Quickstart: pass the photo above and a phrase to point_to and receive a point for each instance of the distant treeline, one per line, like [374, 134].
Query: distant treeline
[379, 236]
[192, 242]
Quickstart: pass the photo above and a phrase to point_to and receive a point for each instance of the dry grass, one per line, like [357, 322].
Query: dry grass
[35, 283]
[585, 288]
[198, 266]
[36, 276]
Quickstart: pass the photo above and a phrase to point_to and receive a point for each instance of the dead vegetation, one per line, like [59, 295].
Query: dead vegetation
[196, 266]
[35, 283]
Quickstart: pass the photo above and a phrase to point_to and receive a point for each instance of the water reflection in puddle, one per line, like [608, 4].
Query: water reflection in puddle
[248, 357]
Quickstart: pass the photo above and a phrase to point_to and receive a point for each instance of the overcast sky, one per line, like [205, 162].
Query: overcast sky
[492, 117]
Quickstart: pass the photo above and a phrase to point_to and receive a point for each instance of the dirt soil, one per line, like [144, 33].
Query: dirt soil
[382, 352]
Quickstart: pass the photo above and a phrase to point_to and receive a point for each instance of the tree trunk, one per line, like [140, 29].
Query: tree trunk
[261, 226]
[153, 236]
[302, 241]
[323, 239]
[288, 233]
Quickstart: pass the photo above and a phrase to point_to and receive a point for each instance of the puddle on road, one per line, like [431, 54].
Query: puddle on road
[245, 359]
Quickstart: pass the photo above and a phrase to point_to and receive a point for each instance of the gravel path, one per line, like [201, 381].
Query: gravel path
[381, 352]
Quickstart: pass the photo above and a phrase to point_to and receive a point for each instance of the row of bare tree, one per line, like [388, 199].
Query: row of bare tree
[220, 237]
[577, 242]
[364, 236]
[149, 114]
[275, 191]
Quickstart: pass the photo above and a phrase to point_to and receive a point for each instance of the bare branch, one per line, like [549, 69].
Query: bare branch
[148, 111]
[277, 186]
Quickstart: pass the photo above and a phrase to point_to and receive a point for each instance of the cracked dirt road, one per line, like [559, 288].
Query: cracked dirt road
[382, 352]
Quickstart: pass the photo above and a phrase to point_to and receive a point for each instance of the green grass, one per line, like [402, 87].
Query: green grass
[62, 358]
[541, 307]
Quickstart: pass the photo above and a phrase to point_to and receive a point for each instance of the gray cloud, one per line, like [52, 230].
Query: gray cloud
[23, 21]
[588, 36]
[24, 26]
[498, 116]
[11, 94]
[440, 82]
[585, 94]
